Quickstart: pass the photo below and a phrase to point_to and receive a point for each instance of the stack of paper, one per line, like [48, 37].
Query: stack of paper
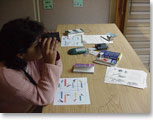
[73, 38]
[134, 78]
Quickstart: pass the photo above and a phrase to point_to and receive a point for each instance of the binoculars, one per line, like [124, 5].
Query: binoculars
[52, 35]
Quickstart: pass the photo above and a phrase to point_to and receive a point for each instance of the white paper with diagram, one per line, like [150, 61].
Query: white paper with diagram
[129, 77]
[72, 91]
[71, 41]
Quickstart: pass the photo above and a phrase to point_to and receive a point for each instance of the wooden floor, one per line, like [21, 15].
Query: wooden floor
[138, 29]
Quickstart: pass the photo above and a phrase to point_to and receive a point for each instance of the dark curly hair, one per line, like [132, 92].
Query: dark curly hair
[15, 38]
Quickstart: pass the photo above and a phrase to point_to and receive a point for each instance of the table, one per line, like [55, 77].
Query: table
[104, 98]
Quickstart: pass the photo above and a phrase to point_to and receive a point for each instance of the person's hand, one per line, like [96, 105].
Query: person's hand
[49, 50]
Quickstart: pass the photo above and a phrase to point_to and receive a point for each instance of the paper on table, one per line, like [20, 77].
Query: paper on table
[95, 39]
[71, 41]
[72, 91]
[134, 78]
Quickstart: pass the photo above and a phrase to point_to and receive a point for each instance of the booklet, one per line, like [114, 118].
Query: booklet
[108, 58]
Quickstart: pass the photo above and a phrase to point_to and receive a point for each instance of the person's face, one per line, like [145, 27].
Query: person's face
[33, 53]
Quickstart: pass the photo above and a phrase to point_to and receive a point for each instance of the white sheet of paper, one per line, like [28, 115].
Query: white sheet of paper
[95, 39]
[71, 41]
[72, 91]
[134, 78]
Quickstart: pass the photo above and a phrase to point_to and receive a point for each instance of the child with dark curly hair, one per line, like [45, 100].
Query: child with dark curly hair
[30, 67]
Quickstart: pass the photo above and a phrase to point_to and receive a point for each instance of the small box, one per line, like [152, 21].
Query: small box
[74, 32]
[86, 68]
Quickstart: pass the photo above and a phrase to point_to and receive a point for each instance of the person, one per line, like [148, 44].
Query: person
[30, 67]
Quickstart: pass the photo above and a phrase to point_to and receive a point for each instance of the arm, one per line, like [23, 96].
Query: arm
[39, 63]
[43, 93]
[51, 61]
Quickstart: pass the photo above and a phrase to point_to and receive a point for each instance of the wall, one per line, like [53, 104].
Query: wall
[63, 12]
[93, 11]
[12, 9]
